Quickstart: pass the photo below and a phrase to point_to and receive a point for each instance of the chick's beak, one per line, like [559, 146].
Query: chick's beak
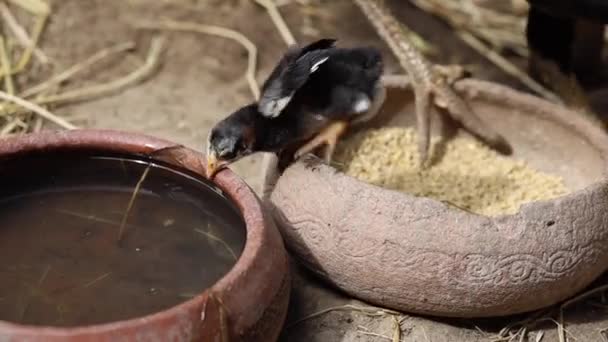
[214, 165]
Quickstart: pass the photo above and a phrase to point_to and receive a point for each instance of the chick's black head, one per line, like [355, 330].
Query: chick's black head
[231, 139]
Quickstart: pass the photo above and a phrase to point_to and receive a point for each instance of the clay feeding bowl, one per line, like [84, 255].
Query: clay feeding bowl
[246, 301]
[418, 255]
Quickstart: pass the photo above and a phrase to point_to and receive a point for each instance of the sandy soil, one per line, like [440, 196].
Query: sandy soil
[201, 80]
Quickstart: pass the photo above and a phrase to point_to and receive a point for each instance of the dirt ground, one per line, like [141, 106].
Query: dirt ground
[201, 80]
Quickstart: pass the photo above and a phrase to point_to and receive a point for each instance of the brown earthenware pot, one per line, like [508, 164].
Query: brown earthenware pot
[248, 304]
[418, 255]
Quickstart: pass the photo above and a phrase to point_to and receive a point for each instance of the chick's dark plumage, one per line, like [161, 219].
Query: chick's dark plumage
[290, 74]
[309, 99]
[344, 89]
[336, 90]
[324, 79]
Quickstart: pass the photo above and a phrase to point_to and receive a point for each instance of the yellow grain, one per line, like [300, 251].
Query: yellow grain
[468, 174]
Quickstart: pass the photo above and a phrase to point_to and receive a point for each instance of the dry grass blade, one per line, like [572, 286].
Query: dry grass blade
[604, 334]
[96, 280]
[560, 327]
[6, 67]
[94, 218]
[426, 338]
[214, 31]
[36, 109]
[38, 123]
[561, 331]
[38, 7]
[369, 333]
[523, 333]
[45, 273]
[27, 54]
[506, 66]
[278, 20]
[396, 330]
[220, 241]
[8, 128]
[370, 311]
[539, 336]
[152, 61]
[584, 296]
[20, 33]
[26, 306]
[70, 72]
[123, 223]
[528, 321]
[501, 30]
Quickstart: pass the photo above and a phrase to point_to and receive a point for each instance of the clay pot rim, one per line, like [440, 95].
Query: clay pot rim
[500, 94]
[233, 187]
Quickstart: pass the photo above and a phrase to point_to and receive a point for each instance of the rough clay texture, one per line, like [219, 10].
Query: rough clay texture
[417, 255]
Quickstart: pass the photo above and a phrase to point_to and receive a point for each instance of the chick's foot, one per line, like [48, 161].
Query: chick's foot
[329, 136]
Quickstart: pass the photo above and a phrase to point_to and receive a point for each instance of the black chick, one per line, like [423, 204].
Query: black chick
[310, 99]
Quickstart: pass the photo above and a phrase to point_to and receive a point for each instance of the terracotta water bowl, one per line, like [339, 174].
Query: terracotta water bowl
[418, 255]
[248, 303]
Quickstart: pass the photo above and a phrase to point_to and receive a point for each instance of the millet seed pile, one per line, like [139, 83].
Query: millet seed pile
[468, 174]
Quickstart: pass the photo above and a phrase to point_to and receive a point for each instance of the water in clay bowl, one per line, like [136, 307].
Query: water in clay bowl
[419, 255]
[109, 236]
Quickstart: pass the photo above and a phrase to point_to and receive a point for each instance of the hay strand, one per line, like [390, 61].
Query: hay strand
[123, 223]
[585, 295]
[506, 66]
[6, 67]
[20, 33]
[137, 76]
[96, 280]
[369, 333]
[170, 25]
[220, 241]
[36, 109]
[277, 20]
[27, 54]
[94, 218]
[38, 7]
[368, 311]
[77, 68]
[396, 329]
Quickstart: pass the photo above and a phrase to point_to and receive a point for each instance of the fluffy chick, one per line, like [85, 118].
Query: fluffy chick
[309, 99]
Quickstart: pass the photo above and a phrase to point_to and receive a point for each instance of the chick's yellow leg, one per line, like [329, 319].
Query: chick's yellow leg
[329, 136]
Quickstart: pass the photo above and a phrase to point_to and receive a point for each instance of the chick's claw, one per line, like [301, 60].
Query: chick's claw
[329, 136]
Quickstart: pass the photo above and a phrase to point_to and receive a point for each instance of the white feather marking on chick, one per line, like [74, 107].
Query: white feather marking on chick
[273, 109]
[281, 104]
[362, 105]
[315, 66]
